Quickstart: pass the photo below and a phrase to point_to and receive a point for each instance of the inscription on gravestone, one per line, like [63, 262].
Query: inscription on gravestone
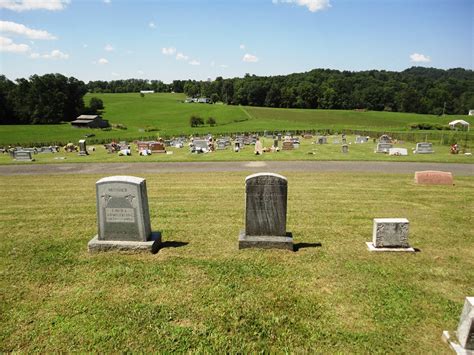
[265, 212]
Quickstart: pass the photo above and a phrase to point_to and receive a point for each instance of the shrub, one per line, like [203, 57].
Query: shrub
[196, 121]
[211, 121]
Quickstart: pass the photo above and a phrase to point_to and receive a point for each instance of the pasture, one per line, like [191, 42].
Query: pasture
[200, 293]
[167, 115]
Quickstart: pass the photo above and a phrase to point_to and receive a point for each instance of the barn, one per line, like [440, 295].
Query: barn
[90, 121]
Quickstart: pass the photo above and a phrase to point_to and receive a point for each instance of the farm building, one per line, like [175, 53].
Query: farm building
[459, 123]
[147, 91]
[90, 121]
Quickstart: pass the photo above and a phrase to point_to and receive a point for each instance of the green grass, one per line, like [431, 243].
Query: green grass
[326, 152]
[171, 116]
[208, 296]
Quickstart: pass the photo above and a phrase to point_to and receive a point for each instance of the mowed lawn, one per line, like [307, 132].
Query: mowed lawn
[203, 294]
[170, 117]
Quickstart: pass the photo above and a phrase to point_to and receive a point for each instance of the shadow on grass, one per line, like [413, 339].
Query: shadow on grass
[168, 244]
[299, 246]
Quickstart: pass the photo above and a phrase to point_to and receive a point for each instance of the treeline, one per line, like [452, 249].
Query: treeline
[45, 99]
[418, 89]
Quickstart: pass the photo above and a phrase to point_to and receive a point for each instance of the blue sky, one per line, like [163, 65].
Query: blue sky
[200, 39]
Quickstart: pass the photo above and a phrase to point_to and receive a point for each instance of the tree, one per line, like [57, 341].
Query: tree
[211, 121]
[196, 121]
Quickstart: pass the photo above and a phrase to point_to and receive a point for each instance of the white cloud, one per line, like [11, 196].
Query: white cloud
[312, 5]
[194, 62]
[242, 46]
[115, 74]
[22, 30]
[7, 45]
[25, 5]
[152, 25]
[224, 66]
[109, 48]
[181, 56]
[168, 51]
[103, 61]
[419, 58]
[55, 54]
[140, 72]
[107, 1]
[249, 58]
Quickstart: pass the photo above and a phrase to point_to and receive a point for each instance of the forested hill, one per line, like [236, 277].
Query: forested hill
[52, 98]
[418, 89]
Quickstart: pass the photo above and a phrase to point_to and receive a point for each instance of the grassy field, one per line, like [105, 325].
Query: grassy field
[331, 296]
[307, 151]
[168, 114]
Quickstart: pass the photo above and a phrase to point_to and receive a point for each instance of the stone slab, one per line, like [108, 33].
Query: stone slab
[451, 339]
[371, 247]
[265, 242]
[432, 177]
[390, 232]
[96, 246]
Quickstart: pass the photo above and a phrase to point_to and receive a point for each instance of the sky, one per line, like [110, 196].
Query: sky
[200, 39]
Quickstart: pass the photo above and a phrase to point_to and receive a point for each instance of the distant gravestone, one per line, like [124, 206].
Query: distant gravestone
[424, 148]
[390, 234]
[398, 151]
[142, 146]
[288, 145]
[431, 177]
[385, 139]
[201, 144]
[123, 216]
[265, 213]
[345, 148]
[157, 147]
[82, 148]
[275, 143]
[462, 342]
[221, 145]
[360, 139]
[383, 147]
[20, 155]
[322, 140]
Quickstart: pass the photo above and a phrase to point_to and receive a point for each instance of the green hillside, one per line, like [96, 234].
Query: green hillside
[167, 115]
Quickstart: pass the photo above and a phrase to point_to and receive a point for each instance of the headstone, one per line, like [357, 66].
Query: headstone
[308, 136]
[385, 139]
[20, 155]
[430, 177]
[221, 145]
[237, 146]
[201, 144]
[123, 217]
[288, 145]
[345, 148]
[142, 146]
[462, 342]
[344, 140]
[82, 148]
[398, 151]
[157, 147]
[383, 147]
[360, 140]
[424, 148]
[265, 213]
[390, 234]
[275, 143]
[322, 140]
[279, 136]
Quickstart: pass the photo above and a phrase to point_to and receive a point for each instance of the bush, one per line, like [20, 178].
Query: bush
[211, 121]
[428, 126]
[196, 121]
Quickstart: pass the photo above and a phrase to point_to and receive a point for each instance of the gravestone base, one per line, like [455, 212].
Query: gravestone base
[371, 247]
[452, 340]
[96, 246]
[265, 242]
